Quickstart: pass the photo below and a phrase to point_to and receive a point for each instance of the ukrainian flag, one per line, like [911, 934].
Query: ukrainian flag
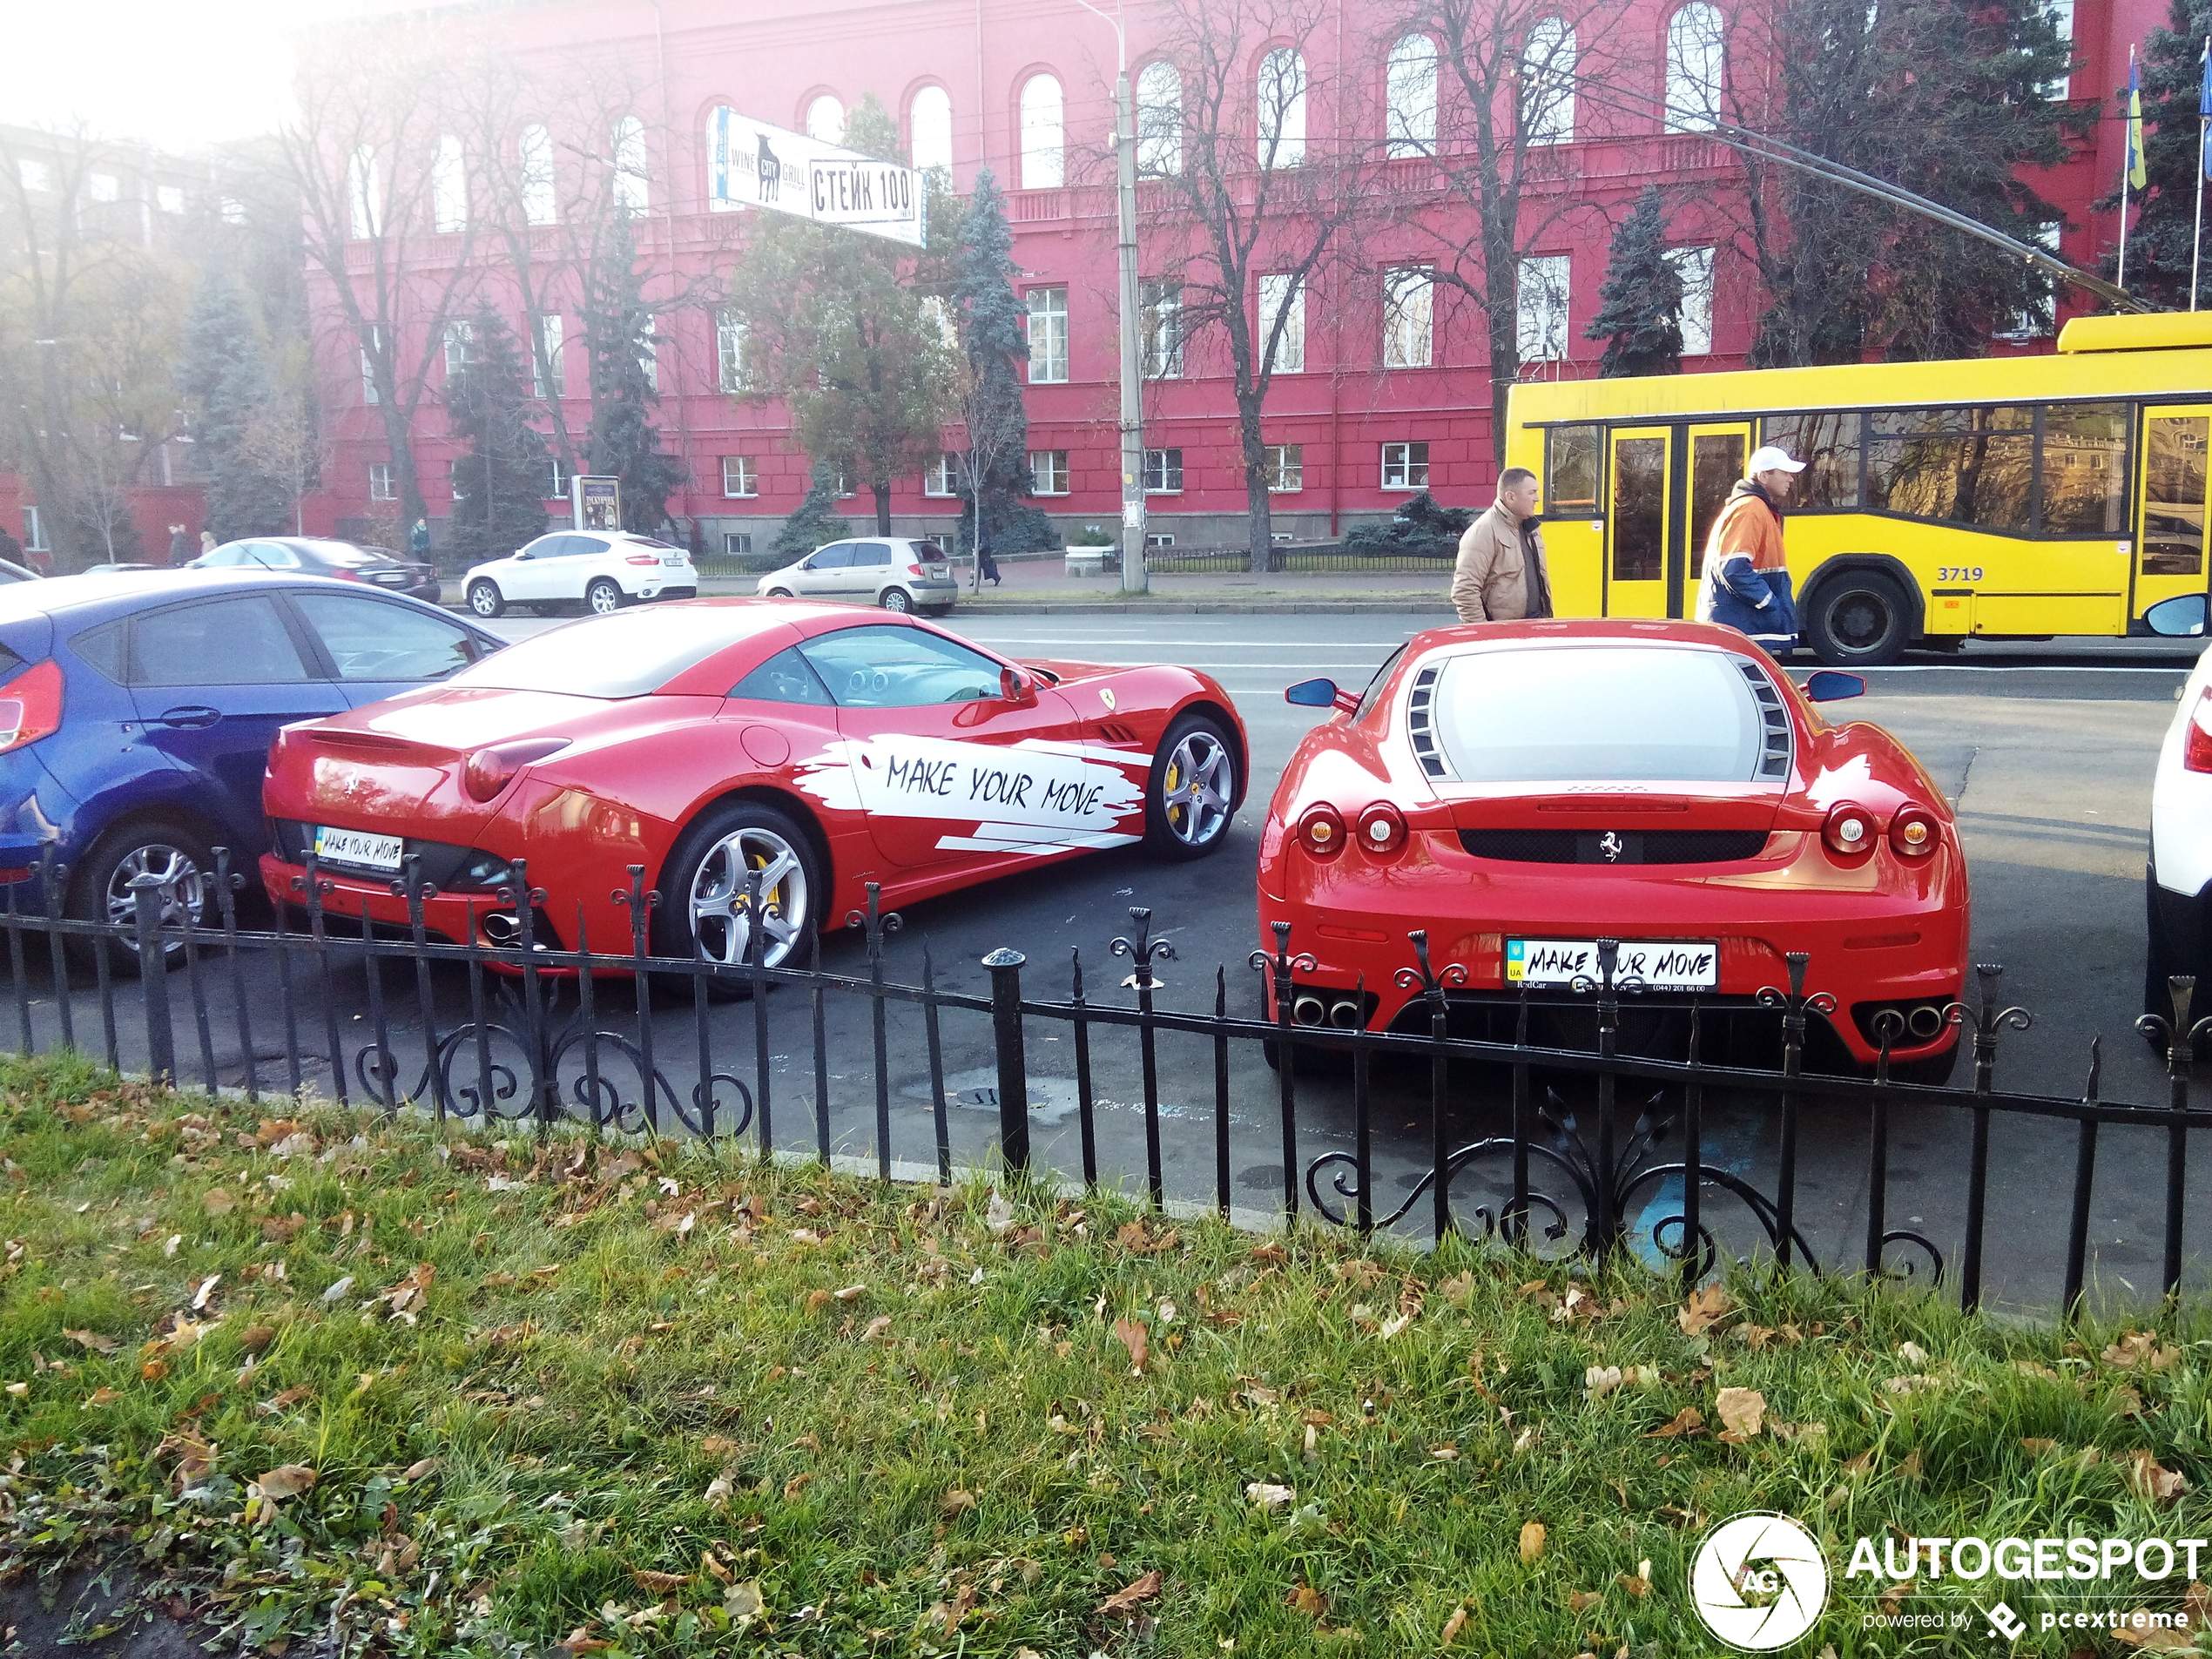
[2138, 175]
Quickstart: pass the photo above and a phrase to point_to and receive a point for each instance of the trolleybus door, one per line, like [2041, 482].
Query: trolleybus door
[2169, 528]
[1639, 463]
[1716, 457]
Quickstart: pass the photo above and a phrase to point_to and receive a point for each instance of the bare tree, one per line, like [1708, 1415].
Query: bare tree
[285, 439]
[1246, 188]
[363, 157]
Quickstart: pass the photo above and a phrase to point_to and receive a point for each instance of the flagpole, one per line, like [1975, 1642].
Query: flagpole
[2120, 276]
[2126, 173]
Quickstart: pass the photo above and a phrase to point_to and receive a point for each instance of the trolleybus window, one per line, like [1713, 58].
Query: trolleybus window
[2174, 494]
[2084, 469]
[1570, 487]
[1828, 443]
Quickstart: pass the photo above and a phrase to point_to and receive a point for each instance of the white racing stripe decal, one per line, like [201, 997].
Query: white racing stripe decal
[1037, 797]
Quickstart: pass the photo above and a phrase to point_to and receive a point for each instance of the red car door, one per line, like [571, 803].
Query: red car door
[946, 766]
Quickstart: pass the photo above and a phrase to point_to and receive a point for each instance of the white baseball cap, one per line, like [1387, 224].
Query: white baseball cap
[1771, 458]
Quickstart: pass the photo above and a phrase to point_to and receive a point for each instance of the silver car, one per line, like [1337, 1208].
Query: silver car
[895, 573]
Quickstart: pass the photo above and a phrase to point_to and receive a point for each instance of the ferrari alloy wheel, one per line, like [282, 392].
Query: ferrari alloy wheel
[898, 600]
[705, 909]
[1192, 792]
[603, 598]
[177, 859]
[484, 599]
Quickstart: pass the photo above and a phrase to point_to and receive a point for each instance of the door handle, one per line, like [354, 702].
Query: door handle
[190, 716]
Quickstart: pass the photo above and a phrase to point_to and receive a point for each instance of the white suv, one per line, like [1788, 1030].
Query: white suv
[2179, 879]
[602, 570]
[893, 572]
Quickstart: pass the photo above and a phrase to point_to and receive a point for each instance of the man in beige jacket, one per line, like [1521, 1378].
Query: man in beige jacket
[1500, 574]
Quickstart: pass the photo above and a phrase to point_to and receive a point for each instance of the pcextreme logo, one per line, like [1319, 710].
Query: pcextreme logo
[1759, 1581]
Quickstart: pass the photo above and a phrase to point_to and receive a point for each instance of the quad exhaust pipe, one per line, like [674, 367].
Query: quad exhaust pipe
[1307, 1009]
[1345, 1015]
[1925, 1021]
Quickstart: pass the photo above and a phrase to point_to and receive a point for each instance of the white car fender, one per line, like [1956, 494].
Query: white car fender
[2181, 801]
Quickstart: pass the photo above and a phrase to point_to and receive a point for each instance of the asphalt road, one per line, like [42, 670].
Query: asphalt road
[2046, 753]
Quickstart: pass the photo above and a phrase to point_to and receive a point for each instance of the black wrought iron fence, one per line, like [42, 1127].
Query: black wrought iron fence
[534, 1034]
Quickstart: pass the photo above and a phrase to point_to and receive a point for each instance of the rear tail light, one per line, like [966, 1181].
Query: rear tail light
[489, 770]
[2198, 756]
[1849, 830]
[1320, 832]
[346, 576]
[1382, 828]
[30, 705]
[1914, 831]
[643, 558]
[915, 570]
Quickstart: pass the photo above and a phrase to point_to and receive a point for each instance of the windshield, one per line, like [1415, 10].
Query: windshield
[1598, 714]
[627, 654]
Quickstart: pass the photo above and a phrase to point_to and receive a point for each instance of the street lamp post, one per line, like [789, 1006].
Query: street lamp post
[1134, 578]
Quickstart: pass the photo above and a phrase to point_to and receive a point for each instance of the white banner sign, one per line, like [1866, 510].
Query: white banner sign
[752, 165]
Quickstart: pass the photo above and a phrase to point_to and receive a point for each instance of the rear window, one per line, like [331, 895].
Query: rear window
[627, 654]
[928, 552]
[1598, 714]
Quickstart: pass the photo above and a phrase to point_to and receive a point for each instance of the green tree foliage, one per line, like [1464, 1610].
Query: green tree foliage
[226, 373]
[623, 442]
[1947, 100]
[837, 327]
[1639, 312]
[500, 484]
[994, 326]
[816, 522]
[2162, 238]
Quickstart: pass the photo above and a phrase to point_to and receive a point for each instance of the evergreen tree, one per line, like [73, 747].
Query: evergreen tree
[226, 374]
[500, 482]
[1639, 314]
[994, 335]
[1946, 99]
[816, 522]
[2161, 241]
[623, 442]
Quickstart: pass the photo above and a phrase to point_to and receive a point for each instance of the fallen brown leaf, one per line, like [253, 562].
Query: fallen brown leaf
[285, 1480]
[659, 1583]
[1742, 1411]
[1307, 1600]
[1705, 1304]
[1453, 1626]
[1688, 1420]
[1532, 1542]
[93, 1340]
[1133, 1337]
[1126, 1599]
[2151, 1483]
[217, 1202]
[2141, 1348]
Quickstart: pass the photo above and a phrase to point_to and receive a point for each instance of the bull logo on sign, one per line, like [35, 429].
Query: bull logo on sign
[1609, 845]
[771, 173]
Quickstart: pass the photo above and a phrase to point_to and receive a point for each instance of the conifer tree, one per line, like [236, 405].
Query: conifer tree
[500, 484]
[1639, 312]
[817, 521]
[623, 442]
[2160, 242]
[226, 375]
[993, 336]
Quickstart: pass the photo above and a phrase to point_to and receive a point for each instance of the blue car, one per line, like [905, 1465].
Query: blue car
[136, 715]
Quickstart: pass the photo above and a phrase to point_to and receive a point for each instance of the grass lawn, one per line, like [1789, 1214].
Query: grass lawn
[333, 1384]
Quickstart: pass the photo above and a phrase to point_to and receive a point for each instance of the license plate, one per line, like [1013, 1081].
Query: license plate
[677, 560]
[1661, 964]
[359, 848]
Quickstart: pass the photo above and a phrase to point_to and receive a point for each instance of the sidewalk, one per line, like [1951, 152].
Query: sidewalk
[1041, 587]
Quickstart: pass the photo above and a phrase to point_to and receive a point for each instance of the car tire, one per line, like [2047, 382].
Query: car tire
[779, 593]
[604, 597]
[1859, 619]
[702, 891]
[2163, 957]
[898, 601]
[1190, 796]
[485, 600]
[99, 888]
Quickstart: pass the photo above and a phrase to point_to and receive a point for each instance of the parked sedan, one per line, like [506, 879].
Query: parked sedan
[893, 572]
[319, 555]
[602, 570]
[137, 711]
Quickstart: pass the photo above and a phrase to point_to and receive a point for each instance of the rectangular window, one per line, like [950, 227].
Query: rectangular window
[34, 531]
[104, 187]
[1828, 444]
[737, 544]
[1159, 538]
[169, 197]
[1048, 470]
[547, 378]
[1405, 466]
[2060, 12]
[1694, 266]
[234, 211]
[369, 364]
[1162, 316]
[1966, 466]
[379, 481]
[561, 476]
[1409, 317]
[2084, 469]
[729, 350]
[1285, 468]
[457, 477]
[1543, 307]
[1163, 472]
[34, 175]
[1048, 335]
[739, 476]
[942, 481]
[458, 338]
[1571, 470]
[649, 363]
[1283, 295]
[2174, 489]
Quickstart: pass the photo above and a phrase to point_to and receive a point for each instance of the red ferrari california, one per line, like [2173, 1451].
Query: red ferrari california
[824, 747]
[1522, 790]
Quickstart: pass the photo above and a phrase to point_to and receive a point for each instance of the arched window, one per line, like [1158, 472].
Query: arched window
[1697, 64]
[364, 195]
[1044, 156]
[929, 126]
[540, 205]
[826, 119]
[1548, 83]
[448, 186]
[1159, 119]
[630, 164]
[1409, 87]
[718, 182]
[1282, 108]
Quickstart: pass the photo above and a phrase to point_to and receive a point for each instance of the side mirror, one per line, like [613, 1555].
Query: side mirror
[1313, 694]
[2178, 618]
[1829, 686]
[1016, 688]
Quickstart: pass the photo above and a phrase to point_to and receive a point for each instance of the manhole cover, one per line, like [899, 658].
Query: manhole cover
[1052, 1100]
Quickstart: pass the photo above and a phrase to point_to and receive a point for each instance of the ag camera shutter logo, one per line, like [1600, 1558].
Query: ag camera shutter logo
[1759, 1581]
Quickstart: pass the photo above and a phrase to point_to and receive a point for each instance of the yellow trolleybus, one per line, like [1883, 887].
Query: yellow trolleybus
[1996, 498]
